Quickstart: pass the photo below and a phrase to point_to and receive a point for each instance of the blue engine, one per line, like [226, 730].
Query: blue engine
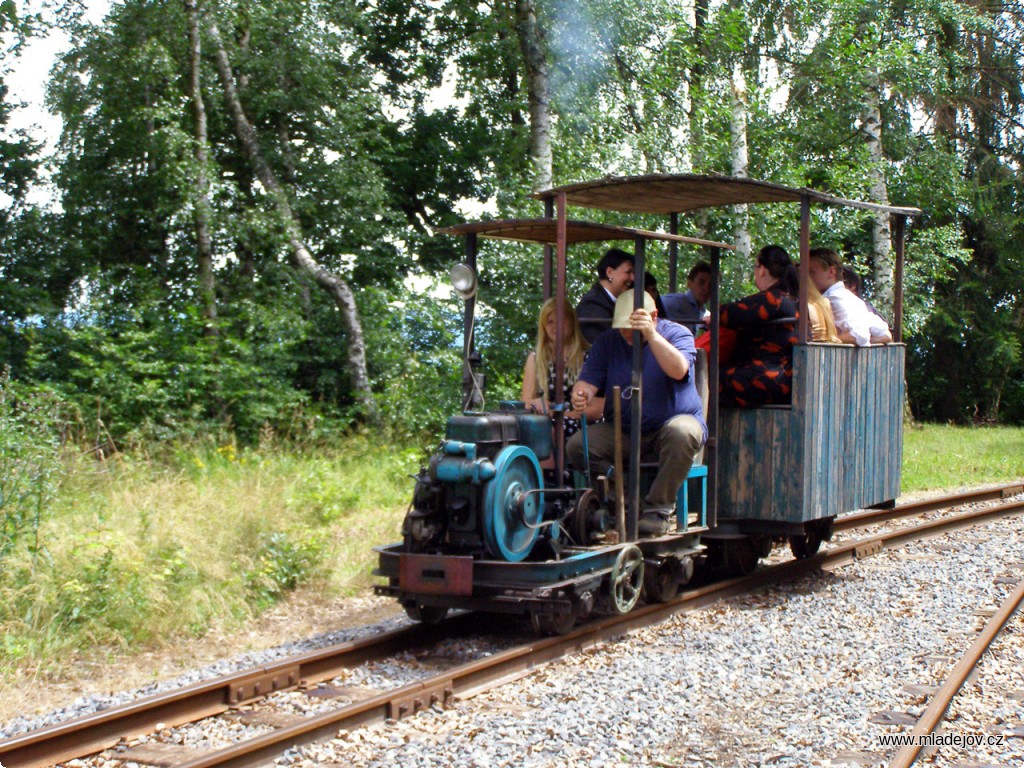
[482, 493]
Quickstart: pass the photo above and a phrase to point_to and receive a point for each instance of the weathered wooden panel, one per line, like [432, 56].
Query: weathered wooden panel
[837, 448]
[857, 463]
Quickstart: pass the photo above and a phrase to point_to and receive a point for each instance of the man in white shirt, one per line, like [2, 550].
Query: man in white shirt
[855, 323]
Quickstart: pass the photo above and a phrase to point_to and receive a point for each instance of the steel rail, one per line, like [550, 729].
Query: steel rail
[93, 733]
[939, 704]
[876, 516]
[467, 679]
[105, 729]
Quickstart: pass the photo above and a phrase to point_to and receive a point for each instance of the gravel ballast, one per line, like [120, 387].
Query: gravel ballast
[808, 673]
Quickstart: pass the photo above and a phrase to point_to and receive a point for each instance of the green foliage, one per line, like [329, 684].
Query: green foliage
[151, 378]
[105, 596]
[30, 463]
[386, 121]
[415, 352]
[177, 539]
[323, 495]
[934, 256]
[281, 564]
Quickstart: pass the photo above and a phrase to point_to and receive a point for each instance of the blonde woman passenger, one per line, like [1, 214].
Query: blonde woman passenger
[819, 313]
[539, 371]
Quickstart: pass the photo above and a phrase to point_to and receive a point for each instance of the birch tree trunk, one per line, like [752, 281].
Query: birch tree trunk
[531, 43]
[201, 208]
[700, 21]
[738, 132]
[871, 127]
[697, 100]
[302, 259]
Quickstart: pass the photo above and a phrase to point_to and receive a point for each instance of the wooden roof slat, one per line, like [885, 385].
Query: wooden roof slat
[545, 232]
[680, 193]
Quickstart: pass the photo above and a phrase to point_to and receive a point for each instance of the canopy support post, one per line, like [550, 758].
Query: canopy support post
[673, 253]
[711, 448]
[804, 324]
[636, 399]
[899, 234]
[549, 213]
[560, 246]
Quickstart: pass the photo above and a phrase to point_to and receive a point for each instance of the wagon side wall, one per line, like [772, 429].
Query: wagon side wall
[838, 447]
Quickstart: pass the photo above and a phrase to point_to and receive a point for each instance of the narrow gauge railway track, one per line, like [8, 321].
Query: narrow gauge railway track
[943, 698]
[878, 516]
[105, 729]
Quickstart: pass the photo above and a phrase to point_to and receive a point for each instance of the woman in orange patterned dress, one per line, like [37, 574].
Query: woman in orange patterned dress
[761, 369]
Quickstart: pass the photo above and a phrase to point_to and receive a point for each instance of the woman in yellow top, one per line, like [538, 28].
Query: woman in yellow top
[819, 313]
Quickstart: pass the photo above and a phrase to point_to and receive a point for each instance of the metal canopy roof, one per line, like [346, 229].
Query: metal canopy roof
[545, 232]
[679, 193]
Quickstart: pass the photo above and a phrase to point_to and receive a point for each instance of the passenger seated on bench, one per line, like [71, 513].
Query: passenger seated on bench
[853, 283]
[672, 422]
[595, 310]
[688, 308]
[819, 315]
[651, 286]
[855, 324]
[761, 369]
[539, 371]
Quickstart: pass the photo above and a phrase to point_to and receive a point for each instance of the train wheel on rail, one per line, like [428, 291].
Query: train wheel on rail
[551, 624]
[426, 614]
[661, 581]
[805, 544]
[627, 579]
[739, 557]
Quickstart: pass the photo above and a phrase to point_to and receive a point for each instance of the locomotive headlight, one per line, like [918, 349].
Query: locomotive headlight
[463, 281]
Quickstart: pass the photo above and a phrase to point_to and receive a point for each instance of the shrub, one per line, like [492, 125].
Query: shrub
[30, 468]
[281, 565]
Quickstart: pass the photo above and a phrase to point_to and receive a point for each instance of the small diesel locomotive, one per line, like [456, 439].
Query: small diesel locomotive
[489, 530]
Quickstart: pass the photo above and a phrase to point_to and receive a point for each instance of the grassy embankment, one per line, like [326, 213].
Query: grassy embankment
[944, 457]
[134, 552]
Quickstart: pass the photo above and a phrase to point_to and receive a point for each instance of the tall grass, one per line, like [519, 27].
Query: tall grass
[137, 552]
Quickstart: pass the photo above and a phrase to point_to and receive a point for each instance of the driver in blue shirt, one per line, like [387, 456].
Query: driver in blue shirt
[672, 423]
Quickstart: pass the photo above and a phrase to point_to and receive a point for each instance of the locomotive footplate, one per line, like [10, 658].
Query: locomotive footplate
[493, 585]
[433, 571]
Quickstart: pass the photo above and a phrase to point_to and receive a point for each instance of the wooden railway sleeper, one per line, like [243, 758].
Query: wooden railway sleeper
[867, 549]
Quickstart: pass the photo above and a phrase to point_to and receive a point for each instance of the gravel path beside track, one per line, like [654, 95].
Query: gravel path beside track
[90, 703]
[790, 677]
[991, 702]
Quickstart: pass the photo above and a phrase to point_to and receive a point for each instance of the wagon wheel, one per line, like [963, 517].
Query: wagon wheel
[805, 545]
[661, 583]
[627, 579]
[552, 624]
[739, 556]
[427, 614]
